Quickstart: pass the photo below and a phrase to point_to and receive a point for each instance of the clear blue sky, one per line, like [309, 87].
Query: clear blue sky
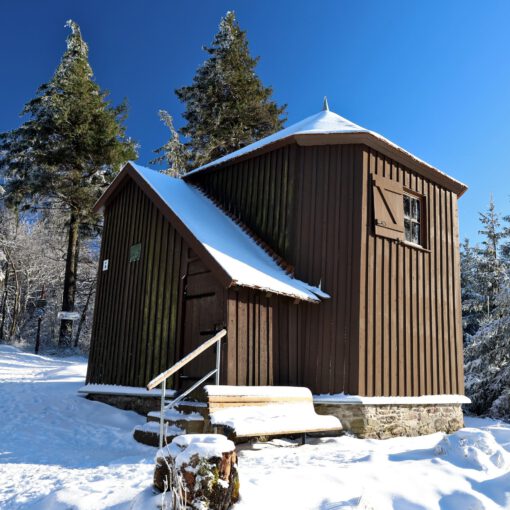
[432, 76]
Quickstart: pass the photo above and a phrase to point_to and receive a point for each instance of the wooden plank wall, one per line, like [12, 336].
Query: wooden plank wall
[319, 343]
[302, 202]
[138, 304]
[258, 192]
[250, 356]
[410, 327]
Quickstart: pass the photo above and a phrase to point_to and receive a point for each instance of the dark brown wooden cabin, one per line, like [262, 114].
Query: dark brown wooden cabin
[331, 204]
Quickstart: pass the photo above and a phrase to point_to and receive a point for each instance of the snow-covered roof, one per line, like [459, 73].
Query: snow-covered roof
[246, 263]
[325, 122]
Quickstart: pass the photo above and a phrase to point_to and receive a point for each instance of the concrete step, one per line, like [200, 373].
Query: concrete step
[148, 433]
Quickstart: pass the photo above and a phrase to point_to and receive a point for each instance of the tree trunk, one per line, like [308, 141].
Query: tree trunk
[83, 316]
[4, 303]
[69, 294]
[16, 304]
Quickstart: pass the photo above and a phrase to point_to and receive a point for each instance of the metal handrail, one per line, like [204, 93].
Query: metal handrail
[161, 378]
[184, 361]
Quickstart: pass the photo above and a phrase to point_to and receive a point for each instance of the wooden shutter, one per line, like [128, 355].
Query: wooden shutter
[388, 208]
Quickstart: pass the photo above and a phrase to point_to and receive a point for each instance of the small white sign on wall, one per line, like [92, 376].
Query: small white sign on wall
[105, 264]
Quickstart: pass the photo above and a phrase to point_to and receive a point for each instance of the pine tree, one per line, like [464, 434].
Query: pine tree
[487, 360]
[472, 299]
[490, 267]
[66, 152]
[486, 314]
[174, 154]
[505, 246]
[227, 106]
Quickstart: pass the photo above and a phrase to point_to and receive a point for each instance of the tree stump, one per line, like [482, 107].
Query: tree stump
[199, 471]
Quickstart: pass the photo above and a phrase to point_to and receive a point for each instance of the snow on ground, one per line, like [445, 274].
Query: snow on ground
[57, 449]
[60, 451]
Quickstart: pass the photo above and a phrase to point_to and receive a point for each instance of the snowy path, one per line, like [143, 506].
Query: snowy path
[59, 451]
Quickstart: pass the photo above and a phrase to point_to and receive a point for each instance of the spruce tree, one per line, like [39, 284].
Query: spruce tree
[173, 154]
[487, 359]
[486, 314]
[505, 246]
[490, 267]
[66, 152]
[472, 299]
[227, 106]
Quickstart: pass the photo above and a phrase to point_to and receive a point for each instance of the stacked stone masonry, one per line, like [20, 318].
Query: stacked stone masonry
[384, 421]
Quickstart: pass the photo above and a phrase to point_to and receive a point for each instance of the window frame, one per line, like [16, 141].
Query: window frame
[422, 221]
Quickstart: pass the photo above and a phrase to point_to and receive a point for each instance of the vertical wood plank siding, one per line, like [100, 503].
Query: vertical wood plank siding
[137, 312]
[303, 202]
[250, 356]
[410, 329]
[259, 193]
[321, 341]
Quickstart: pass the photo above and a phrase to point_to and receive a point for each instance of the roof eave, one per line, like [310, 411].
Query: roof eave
[289, 295]
[389, 149]
[362, 137]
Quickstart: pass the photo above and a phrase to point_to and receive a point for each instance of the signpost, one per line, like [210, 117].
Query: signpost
[40, 310]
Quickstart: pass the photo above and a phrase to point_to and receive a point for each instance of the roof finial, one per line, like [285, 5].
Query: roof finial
[325, 105]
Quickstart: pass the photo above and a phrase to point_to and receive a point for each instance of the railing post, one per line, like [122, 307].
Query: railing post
[162, 413]
[218, 361]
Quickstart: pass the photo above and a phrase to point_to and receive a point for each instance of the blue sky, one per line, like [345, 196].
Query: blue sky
[432, 76]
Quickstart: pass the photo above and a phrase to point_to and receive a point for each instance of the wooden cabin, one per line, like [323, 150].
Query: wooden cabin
[330, 255]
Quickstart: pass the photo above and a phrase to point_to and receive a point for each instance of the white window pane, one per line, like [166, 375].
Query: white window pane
[415, 209]
[407, 230]
[416, 233]
[407, 206]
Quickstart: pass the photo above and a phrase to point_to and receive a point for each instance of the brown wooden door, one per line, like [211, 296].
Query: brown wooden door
[203, 317]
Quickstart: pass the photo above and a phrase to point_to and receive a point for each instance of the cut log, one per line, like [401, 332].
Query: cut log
[199, 471]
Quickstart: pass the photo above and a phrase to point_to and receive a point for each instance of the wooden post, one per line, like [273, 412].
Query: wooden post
[40, 309]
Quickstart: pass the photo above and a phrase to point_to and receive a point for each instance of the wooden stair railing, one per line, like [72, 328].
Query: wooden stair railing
[161, 378]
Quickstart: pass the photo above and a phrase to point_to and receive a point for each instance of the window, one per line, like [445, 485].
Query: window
[134, 252]
[412, 219]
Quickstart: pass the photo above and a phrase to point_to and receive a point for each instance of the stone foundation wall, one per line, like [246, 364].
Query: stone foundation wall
[384, 421]
[141, 405]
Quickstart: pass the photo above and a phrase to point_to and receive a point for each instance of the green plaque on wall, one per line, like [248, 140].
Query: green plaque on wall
[134, 252]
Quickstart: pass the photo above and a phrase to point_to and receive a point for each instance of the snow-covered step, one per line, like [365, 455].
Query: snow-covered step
[148, 433]
[192, 406]
[192, 422]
